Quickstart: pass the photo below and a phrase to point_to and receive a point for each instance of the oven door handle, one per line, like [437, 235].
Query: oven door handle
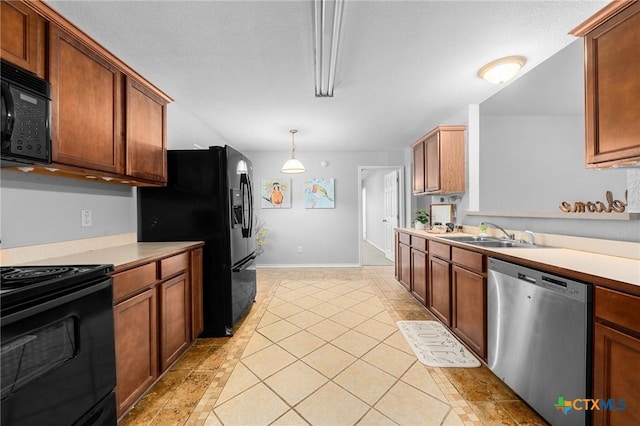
[54, 303]
[9, 114]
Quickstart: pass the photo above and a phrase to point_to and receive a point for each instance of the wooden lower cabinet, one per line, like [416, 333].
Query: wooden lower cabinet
[404, 271]
[616, 376]
[419, 268]
[439, 297]
[136, 333]
[174, 320]
[197, 312]
[469, 312]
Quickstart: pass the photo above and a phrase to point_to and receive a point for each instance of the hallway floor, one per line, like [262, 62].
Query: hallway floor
[320, 346]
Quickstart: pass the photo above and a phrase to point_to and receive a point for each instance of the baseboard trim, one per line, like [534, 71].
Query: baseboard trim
[309, 265]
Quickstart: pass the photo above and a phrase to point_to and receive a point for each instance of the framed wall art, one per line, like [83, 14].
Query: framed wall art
[319, 193]
[275, 193]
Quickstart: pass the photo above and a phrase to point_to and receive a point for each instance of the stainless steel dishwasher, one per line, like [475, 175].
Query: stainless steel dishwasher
[538, 335]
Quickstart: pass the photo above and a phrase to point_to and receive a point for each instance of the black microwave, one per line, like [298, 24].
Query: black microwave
[26, 131]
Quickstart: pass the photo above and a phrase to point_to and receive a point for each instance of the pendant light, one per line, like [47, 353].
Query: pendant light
[293, 165]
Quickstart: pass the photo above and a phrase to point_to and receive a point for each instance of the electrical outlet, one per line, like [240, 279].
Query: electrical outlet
[86, 218]
[299, 249]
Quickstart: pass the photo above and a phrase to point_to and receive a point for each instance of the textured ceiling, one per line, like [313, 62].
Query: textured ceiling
[244, 69]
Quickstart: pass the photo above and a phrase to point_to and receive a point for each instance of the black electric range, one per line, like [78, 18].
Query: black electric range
[22, 286]
[57, 345]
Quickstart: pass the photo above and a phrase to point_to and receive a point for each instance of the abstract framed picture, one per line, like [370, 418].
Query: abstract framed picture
[319, 193]
[275, 193]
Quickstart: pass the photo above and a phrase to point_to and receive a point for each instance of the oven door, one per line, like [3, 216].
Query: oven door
[58, 358]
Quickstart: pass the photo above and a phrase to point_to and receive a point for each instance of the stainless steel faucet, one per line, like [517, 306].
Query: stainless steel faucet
[509, 236]
[531, 237]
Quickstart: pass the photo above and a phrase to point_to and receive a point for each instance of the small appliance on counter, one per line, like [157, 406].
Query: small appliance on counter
[209, 197]
[58, 349]
[26, 132]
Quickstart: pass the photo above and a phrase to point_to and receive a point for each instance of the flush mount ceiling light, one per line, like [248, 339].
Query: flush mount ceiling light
[327, 17]
[293, 165]
[502, 70]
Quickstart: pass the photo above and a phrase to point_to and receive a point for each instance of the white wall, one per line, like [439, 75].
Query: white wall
[327, 236]
[42, 209]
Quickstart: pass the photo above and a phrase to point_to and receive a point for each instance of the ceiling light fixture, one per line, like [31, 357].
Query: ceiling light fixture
[327, 17]
[293, 165]
[502, 70]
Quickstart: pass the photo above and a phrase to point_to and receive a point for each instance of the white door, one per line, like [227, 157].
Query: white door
[390, 212]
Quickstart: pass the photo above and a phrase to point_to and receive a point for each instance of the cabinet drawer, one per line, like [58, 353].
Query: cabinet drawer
[404, 238]
[419, 243]
[619, 308]
[129, 282]
[441, 250]
[174, 264]
[468, 259]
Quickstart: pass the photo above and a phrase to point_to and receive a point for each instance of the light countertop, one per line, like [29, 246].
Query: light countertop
[123, 256]
[587, 266]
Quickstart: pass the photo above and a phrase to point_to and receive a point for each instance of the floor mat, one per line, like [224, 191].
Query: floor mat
[434, 345]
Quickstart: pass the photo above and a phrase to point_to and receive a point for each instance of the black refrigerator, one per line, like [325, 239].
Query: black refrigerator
[209, 197]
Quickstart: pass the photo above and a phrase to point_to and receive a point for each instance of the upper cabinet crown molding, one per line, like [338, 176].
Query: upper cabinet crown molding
[439, 161]
[612, 85]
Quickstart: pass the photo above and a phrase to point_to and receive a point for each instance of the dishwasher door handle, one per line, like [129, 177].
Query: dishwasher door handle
[526, 278]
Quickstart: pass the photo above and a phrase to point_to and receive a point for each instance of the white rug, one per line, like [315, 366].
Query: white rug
[434, 345]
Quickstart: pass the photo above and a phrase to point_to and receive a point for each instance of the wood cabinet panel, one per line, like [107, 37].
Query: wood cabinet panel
[612, 83]
[197, 313]
[419, 268]
[174, 264]
[23, 37]
[439, 294]
[469, 319]
[616, 376]
[432, 163]
[146, 133]
[175, 327]
[439, 249]
[469, 259]
[419, 243]
[136, 332]
[418, 168]
[405, 266]
[86, 106]
[129, 282]
[404, 238]
[618, 308]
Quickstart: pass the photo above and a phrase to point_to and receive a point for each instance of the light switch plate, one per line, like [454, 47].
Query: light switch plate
[86, 218]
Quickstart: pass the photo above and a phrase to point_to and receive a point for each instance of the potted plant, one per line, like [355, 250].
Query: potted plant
[422, 219]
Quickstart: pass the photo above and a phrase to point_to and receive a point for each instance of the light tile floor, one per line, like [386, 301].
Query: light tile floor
[320, 346]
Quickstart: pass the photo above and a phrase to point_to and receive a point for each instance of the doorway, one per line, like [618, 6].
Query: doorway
[380, 210]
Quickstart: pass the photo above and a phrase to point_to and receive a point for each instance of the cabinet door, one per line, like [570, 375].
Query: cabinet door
[136, 332]
[197, 315]
[612, 90]
[616, 376]
[419, 275]
[418, 168]
[174, 319]
[432, 163]
[146, 133]
[405, 266]
[86, 106]
[22, 37]
[469, 302]
[439, 301]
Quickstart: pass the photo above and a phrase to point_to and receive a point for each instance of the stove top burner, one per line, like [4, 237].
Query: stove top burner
[12, 277]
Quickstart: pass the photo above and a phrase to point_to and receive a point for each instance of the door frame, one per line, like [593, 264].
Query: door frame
[401, 200]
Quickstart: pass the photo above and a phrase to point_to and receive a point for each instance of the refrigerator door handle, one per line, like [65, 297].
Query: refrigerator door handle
[250, 187]
[244, 188]
[244, 265]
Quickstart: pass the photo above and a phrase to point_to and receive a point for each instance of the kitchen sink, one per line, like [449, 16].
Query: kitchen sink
[491, 242]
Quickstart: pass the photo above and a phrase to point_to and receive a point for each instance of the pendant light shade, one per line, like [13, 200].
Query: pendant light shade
[293, 165]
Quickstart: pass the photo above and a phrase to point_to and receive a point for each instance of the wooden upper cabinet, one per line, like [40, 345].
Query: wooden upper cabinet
[612, 83]
[146, 133]
[23, 37]
[442, 170]
[418, 167]
[86, 107]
